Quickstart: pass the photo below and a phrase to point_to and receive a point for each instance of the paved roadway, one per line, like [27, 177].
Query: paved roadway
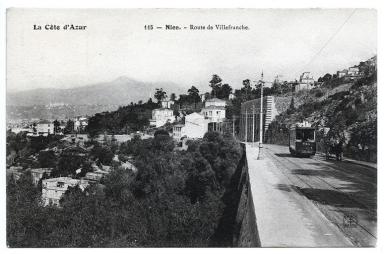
[311, 202]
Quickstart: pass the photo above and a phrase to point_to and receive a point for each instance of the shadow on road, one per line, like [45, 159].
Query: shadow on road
[283, 154]
[283, 187]
[330, 197]
[307, 172]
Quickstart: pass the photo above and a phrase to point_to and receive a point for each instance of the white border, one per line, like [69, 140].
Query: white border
[376, 4]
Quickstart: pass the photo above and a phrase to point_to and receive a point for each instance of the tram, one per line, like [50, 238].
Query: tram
[302, 140]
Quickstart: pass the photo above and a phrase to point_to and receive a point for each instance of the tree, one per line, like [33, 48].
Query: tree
[224, 91]
[70, 126]
[173, 97]
[286, 87]
[207, 96]
[193, 95]
[56, 127]
[163, 142]
[103, 153]
[327, 77]
[47, 159]
[215, 84]
[160, 94]
[161, 132]
[276, 87]
[246, 89]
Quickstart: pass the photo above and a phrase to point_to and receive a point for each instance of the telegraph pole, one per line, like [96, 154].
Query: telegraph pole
[233, 125]
[246, 125]
[261, 112]
[253, 124]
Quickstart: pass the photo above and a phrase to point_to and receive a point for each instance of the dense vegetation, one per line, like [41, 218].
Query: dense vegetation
[174, 199]
[346, 111]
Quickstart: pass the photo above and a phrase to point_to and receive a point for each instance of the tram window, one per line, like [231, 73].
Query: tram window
[308, 135]
[304, 135]
[299, 134]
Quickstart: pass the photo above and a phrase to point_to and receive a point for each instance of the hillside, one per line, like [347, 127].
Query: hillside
[348, 110]
[121, 91]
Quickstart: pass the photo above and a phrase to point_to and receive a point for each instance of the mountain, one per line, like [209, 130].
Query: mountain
[121, 91]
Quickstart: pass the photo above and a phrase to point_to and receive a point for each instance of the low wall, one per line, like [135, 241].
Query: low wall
[237, 226]
[245, 231]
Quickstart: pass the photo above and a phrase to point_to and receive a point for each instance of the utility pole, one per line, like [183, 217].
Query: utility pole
[233, 125]
[253, 124]
[261, 112]
[246, 125]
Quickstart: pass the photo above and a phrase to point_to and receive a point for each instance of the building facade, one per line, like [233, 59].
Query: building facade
[167, 103]
[306, 82]
[53, 189]
[43, 128]
[178, 131]
[342, 73]
[80, 123]
[161, 116]
[211, 118]
[196, 125]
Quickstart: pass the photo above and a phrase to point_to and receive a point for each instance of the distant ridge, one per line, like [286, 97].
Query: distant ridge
[121, 91]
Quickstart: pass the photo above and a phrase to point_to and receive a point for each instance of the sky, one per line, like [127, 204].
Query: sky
[284, 42]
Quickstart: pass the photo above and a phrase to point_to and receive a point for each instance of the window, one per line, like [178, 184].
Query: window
[305, 135]
[210, 113]
[217, 112]
[60, 184]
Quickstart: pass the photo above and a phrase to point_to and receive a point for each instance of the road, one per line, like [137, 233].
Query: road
[311, 202]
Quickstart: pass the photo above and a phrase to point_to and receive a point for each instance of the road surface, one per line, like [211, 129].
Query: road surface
[311, 202]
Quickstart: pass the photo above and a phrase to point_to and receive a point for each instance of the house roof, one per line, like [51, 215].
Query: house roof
[163, 109]
[214, 107]
[195, 115]
[43, 122]
[61, 179]
[215, 100]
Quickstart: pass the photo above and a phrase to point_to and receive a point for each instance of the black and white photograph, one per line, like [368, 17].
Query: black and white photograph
[237, 127]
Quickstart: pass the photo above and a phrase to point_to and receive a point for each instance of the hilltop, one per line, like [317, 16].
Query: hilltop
[121, 91]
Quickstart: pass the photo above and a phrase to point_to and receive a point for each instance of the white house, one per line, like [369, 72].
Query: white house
[214, 110]
[161, 116]
[342, 73]
[178, 131]
[53, 189]
[215, 102]
[306, 82]
[80, 123]
[44, 128]
[195, 125]
[167, 103]
[353, 72]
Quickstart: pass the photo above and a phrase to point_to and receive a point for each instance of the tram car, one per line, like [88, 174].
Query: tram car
[302, 140]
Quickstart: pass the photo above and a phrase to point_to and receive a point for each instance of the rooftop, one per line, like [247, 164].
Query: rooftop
[167, 109]
[215, 100]
[214, 107]
[43, 122]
